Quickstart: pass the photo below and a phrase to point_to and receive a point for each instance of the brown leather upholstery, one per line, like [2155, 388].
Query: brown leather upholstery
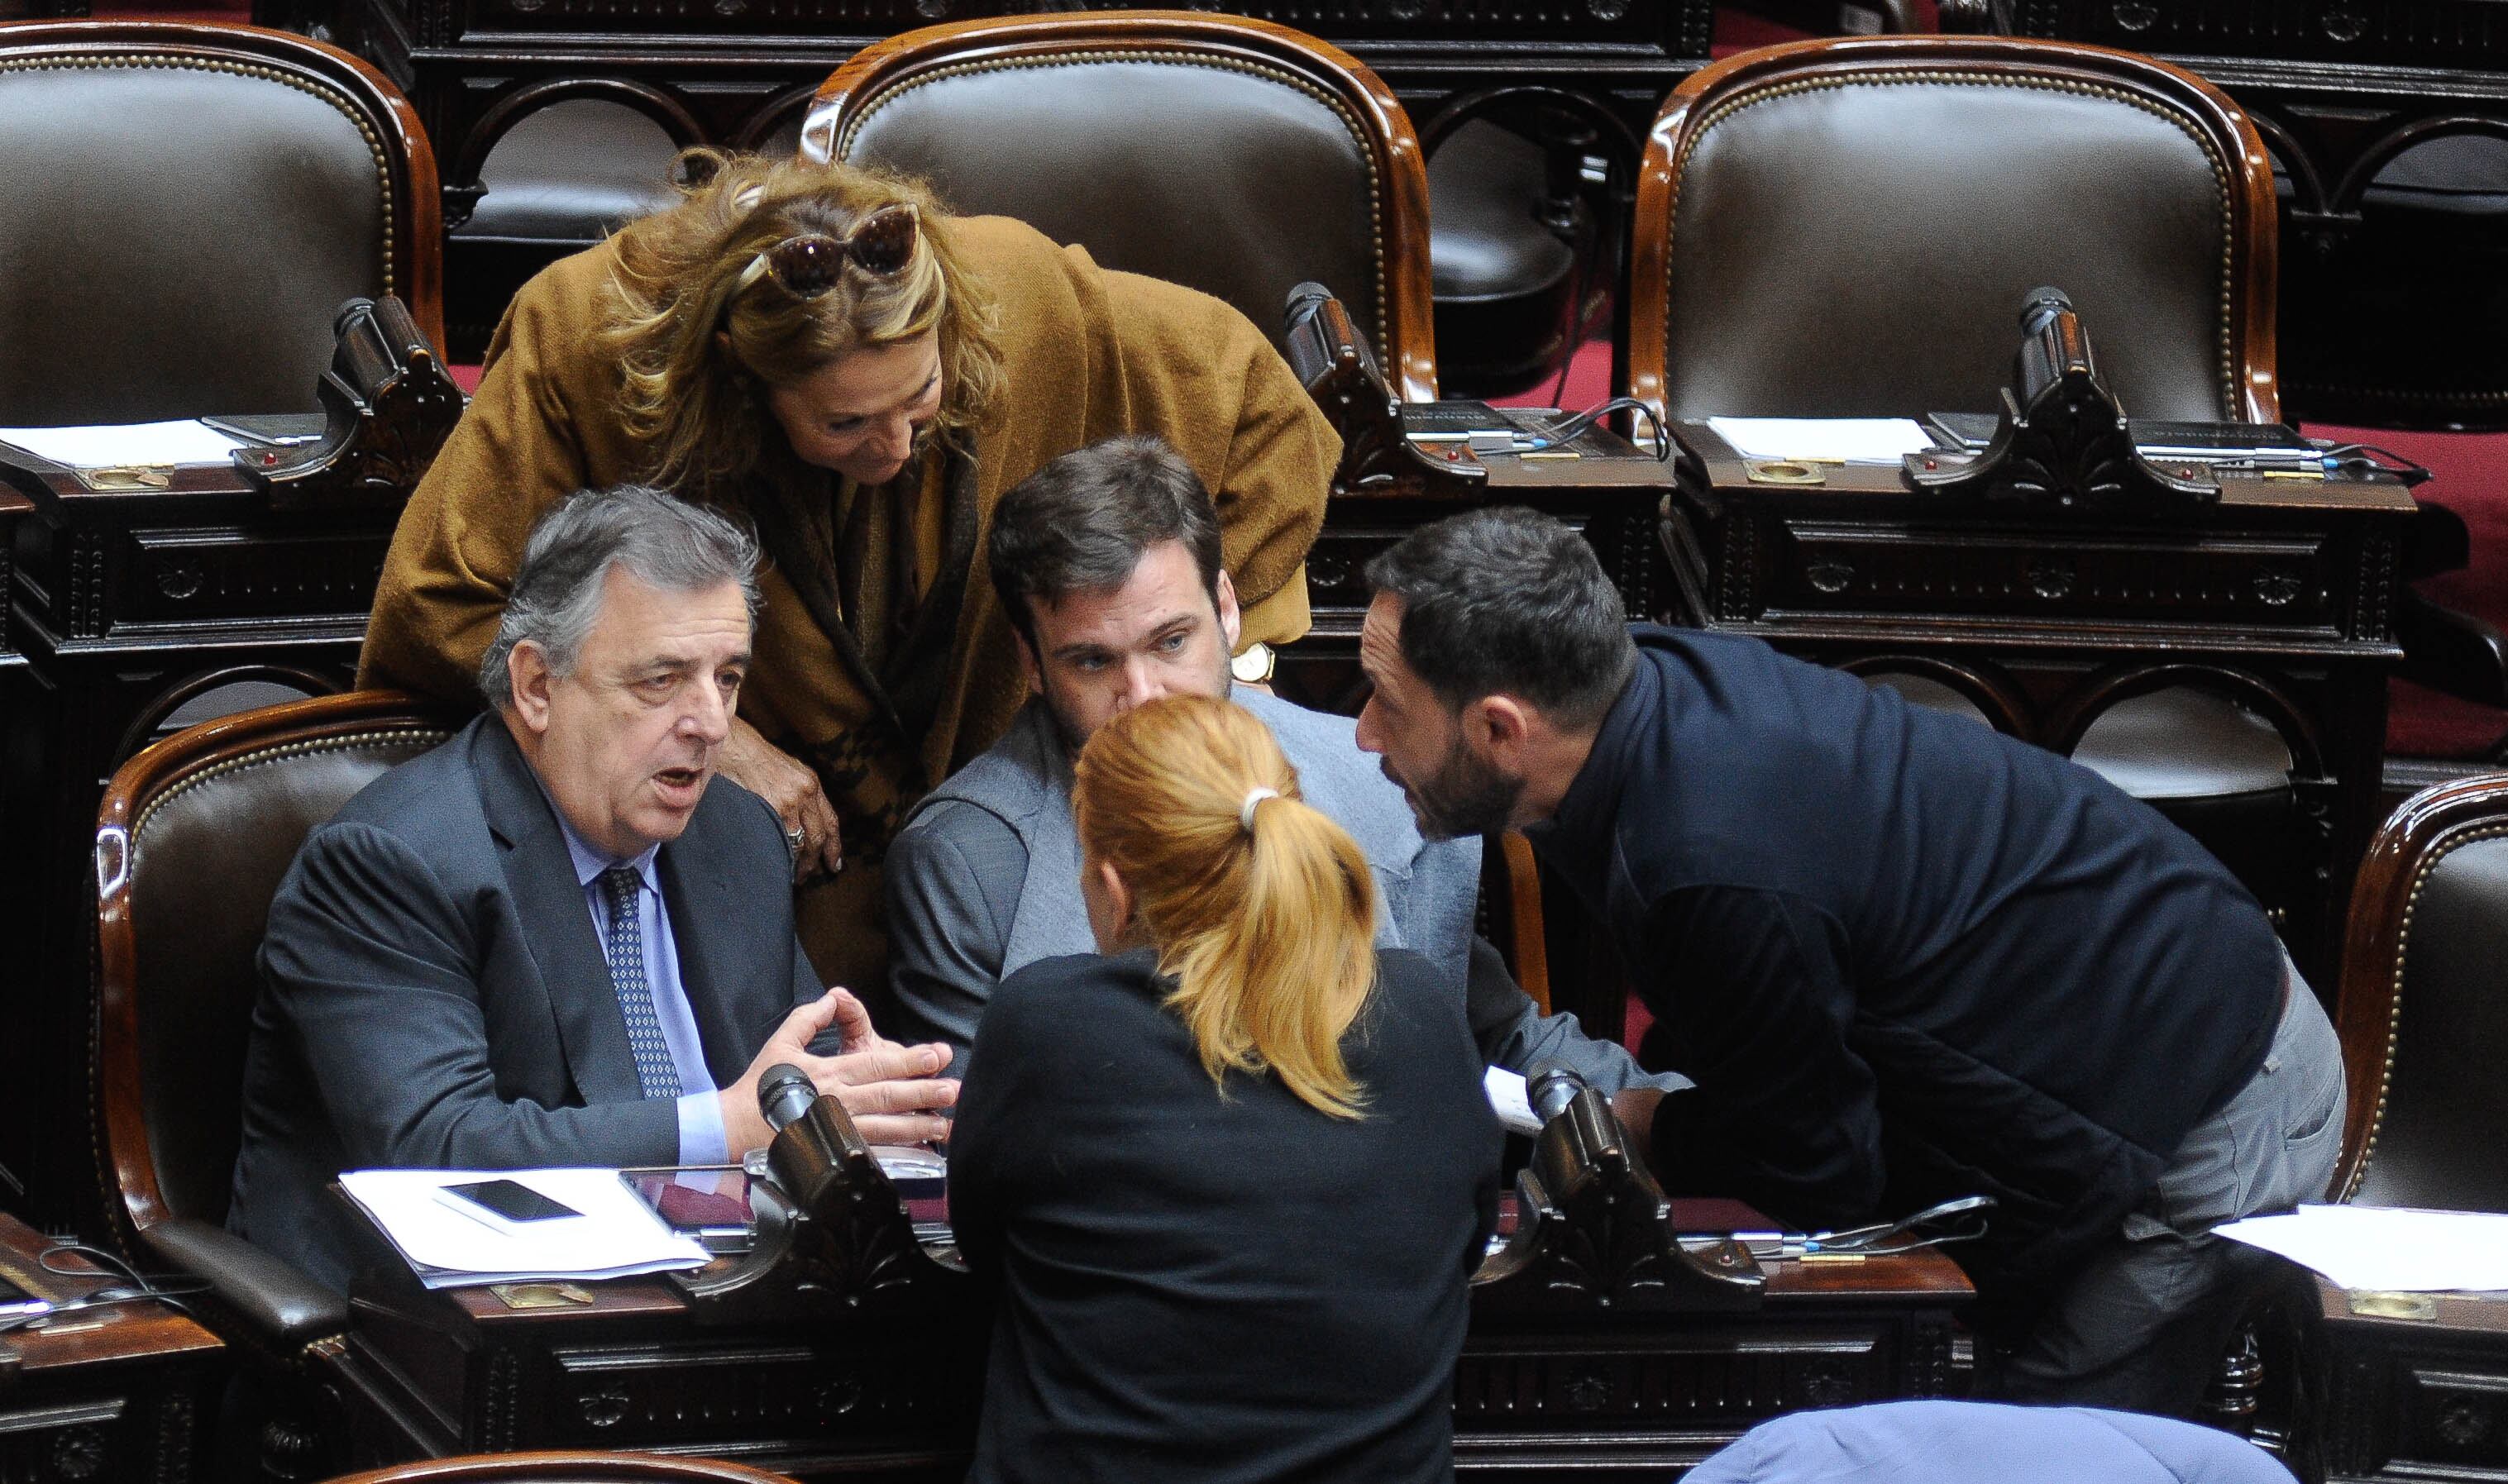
[566, 1468]
[182, 209]
[1847, 228]
[2424, 1005]
[1234, 156]
[193, 838]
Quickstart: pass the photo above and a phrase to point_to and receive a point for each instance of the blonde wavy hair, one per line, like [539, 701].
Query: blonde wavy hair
[1268, 928]
[694, 400]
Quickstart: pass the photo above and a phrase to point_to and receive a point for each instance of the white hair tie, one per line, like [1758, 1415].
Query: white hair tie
[1254, 796]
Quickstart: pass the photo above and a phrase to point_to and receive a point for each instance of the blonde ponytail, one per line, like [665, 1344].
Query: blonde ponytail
[1261, 909]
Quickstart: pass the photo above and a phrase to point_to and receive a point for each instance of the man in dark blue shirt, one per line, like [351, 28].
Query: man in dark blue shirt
[1904, 957]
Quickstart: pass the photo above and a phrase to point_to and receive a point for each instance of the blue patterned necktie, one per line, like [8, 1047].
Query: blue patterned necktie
[658, 1074]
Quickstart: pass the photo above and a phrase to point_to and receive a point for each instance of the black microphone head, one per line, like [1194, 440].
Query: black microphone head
[2041, 304]
[1550, 1087]
[784, 1092]
[1303, 296]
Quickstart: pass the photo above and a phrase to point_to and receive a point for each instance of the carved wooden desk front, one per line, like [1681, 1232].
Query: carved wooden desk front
[118, 1393]
[2409, 1386]
[1580, 1386]
[2281, 596]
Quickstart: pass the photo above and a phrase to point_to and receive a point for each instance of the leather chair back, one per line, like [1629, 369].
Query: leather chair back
[1232, 156]
[192, 841]
[2423, 1011]
[184, 206]
[1847, 229]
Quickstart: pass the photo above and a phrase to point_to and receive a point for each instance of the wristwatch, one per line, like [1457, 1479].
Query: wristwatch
[1254, 666]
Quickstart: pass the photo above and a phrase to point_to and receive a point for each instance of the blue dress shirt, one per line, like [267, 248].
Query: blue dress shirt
[701, 1135]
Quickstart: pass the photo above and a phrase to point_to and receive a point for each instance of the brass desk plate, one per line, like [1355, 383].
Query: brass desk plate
[542, 1295]
[127, 479]
[2371, 1304]
[1783, 471]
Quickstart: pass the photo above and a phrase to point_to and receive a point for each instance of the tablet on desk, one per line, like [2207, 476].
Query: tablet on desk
[709, 1203]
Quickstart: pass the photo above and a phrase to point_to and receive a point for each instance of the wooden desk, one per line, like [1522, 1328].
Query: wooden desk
[113, 1393]
[2281, 596]
[425, 1375]
[2406, 1397]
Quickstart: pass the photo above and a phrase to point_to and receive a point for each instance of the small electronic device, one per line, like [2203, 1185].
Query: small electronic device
[17, 1305]
[507, 1205]
[273, 429]
[708, 1202]
[917, 1172]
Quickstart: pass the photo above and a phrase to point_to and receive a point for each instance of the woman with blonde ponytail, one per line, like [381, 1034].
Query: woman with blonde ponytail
[831, 356]
[1234, 1170]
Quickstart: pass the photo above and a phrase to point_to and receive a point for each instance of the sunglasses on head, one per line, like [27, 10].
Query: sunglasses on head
[809, 265]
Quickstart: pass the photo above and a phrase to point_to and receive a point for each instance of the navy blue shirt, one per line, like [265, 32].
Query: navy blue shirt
[1904, 956]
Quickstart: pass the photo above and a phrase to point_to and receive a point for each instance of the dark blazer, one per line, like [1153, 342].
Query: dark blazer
[1218, 1287]
[435, 993]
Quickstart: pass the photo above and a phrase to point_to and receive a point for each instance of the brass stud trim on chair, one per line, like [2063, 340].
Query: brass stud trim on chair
[345, 742]
[101, 61]
[2396, 992]
[1361, 137]
[2181, 121]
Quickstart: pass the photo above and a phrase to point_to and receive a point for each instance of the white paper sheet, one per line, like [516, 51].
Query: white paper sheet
[2371, 1247]
[122, 445]
[616, 1235]
[1828, 440]
[1507, 1100]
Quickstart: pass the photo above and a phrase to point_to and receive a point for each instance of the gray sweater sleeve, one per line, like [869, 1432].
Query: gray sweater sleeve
[1515, 1035]
[953, 886]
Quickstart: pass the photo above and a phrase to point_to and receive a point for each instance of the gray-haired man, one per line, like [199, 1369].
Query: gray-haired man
[1108, 562]
[557, 939]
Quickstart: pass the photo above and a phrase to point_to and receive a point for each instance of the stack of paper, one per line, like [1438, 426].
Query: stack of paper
[1823, 440]
[2374, 1246]
[124, 445]
[615, 1235]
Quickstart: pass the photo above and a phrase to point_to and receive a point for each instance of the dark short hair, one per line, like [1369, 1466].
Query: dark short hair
[665, 541]
[1509, 601]
[1081, 524]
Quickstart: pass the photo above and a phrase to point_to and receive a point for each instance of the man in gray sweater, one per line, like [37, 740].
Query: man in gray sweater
[1108, 562]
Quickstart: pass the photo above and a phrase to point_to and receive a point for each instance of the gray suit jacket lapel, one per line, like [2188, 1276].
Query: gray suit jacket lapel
[548, 900]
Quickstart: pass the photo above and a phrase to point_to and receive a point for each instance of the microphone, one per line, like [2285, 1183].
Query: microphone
[784, 1092]
[1550, 1088]
[1301, 301]
[2040, 307]
[1314, 341]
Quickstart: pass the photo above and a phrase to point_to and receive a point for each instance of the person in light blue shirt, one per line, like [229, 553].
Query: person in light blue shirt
[558, 938]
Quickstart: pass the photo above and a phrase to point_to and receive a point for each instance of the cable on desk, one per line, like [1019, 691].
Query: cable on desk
[2361, 459]
[136, 1287]
[1571, 430]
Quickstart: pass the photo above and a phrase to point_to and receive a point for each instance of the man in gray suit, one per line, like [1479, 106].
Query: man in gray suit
[557, 939]
[1108, 564]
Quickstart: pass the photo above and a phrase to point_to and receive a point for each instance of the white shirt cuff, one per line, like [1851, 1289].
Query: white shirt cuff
[701, 1136]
